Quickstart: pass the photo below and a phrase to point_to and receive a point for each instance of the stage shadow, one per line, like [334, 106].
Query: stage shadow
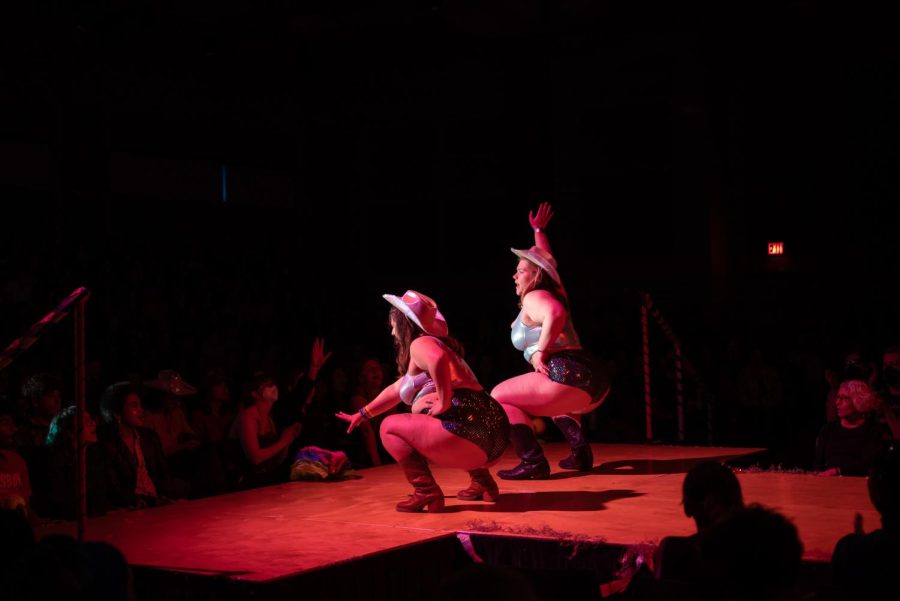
[644, 467]
[577, 500]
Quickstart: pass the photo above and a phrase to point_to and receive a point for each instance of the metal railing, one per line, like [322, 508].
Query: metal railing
[649, 309]
[74, 302]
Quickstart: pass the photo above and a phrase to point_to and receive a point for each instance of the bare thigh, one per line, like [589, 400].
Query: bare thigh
[404, 432]
[535, 394]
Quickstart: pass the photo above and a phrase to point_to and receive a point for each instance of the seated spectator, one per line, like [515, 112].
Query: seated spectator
[43, 393]
[187, 458]
[890, 375]
[849, 445]
[59, 567]
[62, 445]
[15, 485]
[265, 449]
[137, 475]
[168, 417]
[710, 493]
[211, 421]
[753, 554]
[863, 564]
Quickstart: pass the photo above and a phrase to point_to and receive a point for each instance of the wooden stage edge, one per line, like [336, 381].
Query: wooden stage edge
[631, 497]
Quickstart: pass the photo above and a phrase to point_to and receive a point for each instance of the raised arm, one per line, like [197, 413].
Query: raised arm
[429, 355]
[538, 222]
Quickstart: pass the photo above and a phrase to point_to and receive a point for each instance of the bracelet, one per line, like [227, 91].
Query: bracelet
[538, 230]
[366, 415]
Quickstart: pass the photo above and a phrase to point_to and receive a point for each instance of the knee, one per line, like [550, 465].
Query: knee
[389, 426]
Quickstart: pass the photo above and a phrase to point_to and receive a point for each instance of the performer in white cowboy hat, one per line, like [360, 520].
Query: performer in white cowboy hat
[566, 381]
[453, 423]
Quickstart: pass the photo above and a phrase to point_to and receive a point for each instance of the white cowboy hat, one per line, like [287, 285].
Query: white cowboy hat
[421, 310]
[541, 258]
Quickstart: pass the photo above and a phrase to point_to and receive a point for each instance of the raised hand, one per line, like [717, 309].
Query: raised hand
[543, 216]
[318, 357]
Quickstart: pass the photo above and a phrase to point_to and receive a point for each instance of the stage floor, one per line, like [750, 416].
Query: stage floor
[633, 496]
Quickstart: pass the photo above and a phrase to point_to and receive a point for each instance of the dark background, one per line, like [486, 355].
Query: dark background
[371, 147]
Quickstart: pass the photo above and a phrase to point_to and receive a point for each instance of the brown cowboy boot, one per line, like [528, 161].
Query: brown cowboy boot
[582, 457]
[482, 487]
[427, 492]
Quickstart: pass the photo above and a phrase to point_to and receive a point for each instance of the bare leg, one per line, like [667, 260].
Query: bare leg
[412, 439]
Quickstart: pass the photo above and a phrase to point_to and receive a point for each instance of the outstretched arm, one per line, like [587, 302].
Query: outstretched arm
[386, 399]
[538, 222]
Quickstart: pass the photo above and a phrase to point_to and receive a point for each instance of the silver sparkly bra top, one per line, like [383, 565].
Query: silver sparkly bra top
[525, 338]
[414, 386]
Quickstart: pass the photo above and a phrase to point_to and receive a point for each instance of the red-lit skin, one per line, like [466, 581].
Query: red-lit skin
[48, 406]
[535, 394]
[132, 412]
[419, 432]
[524, 277]
[256, 421]
[89, 429]
[847, 413]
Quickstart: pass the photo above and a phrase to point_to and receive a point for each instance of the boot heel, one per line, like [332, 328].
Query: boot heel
[417, 502]
[490, 496]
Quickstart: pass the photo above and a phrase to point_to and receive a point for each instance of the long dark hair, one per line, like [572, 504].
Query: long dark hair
[543, 281]
[407, 331]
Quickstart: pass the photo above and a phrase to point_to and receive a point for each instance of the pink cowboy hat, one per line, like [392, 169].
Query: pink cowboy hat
[421, 310]
[541, 258]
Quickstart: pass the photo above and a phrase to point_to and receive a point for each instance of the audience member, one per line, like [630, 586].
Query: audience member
[710, 493]
[850, 445]
[211, 421]
[753, 554]
[15, 485]
[62, 476]
[890, 376]
[168, 417]
[863, 564]
[43, 393]
[137, 475]
[265, 449]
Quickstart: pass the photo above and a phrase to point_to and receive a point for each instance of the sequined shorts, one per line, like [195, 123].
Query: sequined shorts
[477, 417]
[578, 368]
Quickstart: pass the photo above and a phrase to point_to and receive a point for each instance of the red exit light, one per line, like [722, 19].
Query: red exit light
[776, 248]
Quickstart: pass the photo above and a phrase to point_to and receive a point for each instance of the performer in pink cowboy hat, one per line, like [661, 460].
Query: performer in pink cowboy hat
[566, 381]
[453, 423]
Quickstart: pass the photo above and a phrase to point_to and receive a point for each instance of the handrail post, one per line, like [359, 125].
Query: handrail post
[80, 409]
[679, 391]
[648, 402]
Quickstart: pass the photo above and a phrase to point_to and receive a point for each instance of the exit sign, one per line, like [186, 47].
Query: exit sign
[776, 248]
